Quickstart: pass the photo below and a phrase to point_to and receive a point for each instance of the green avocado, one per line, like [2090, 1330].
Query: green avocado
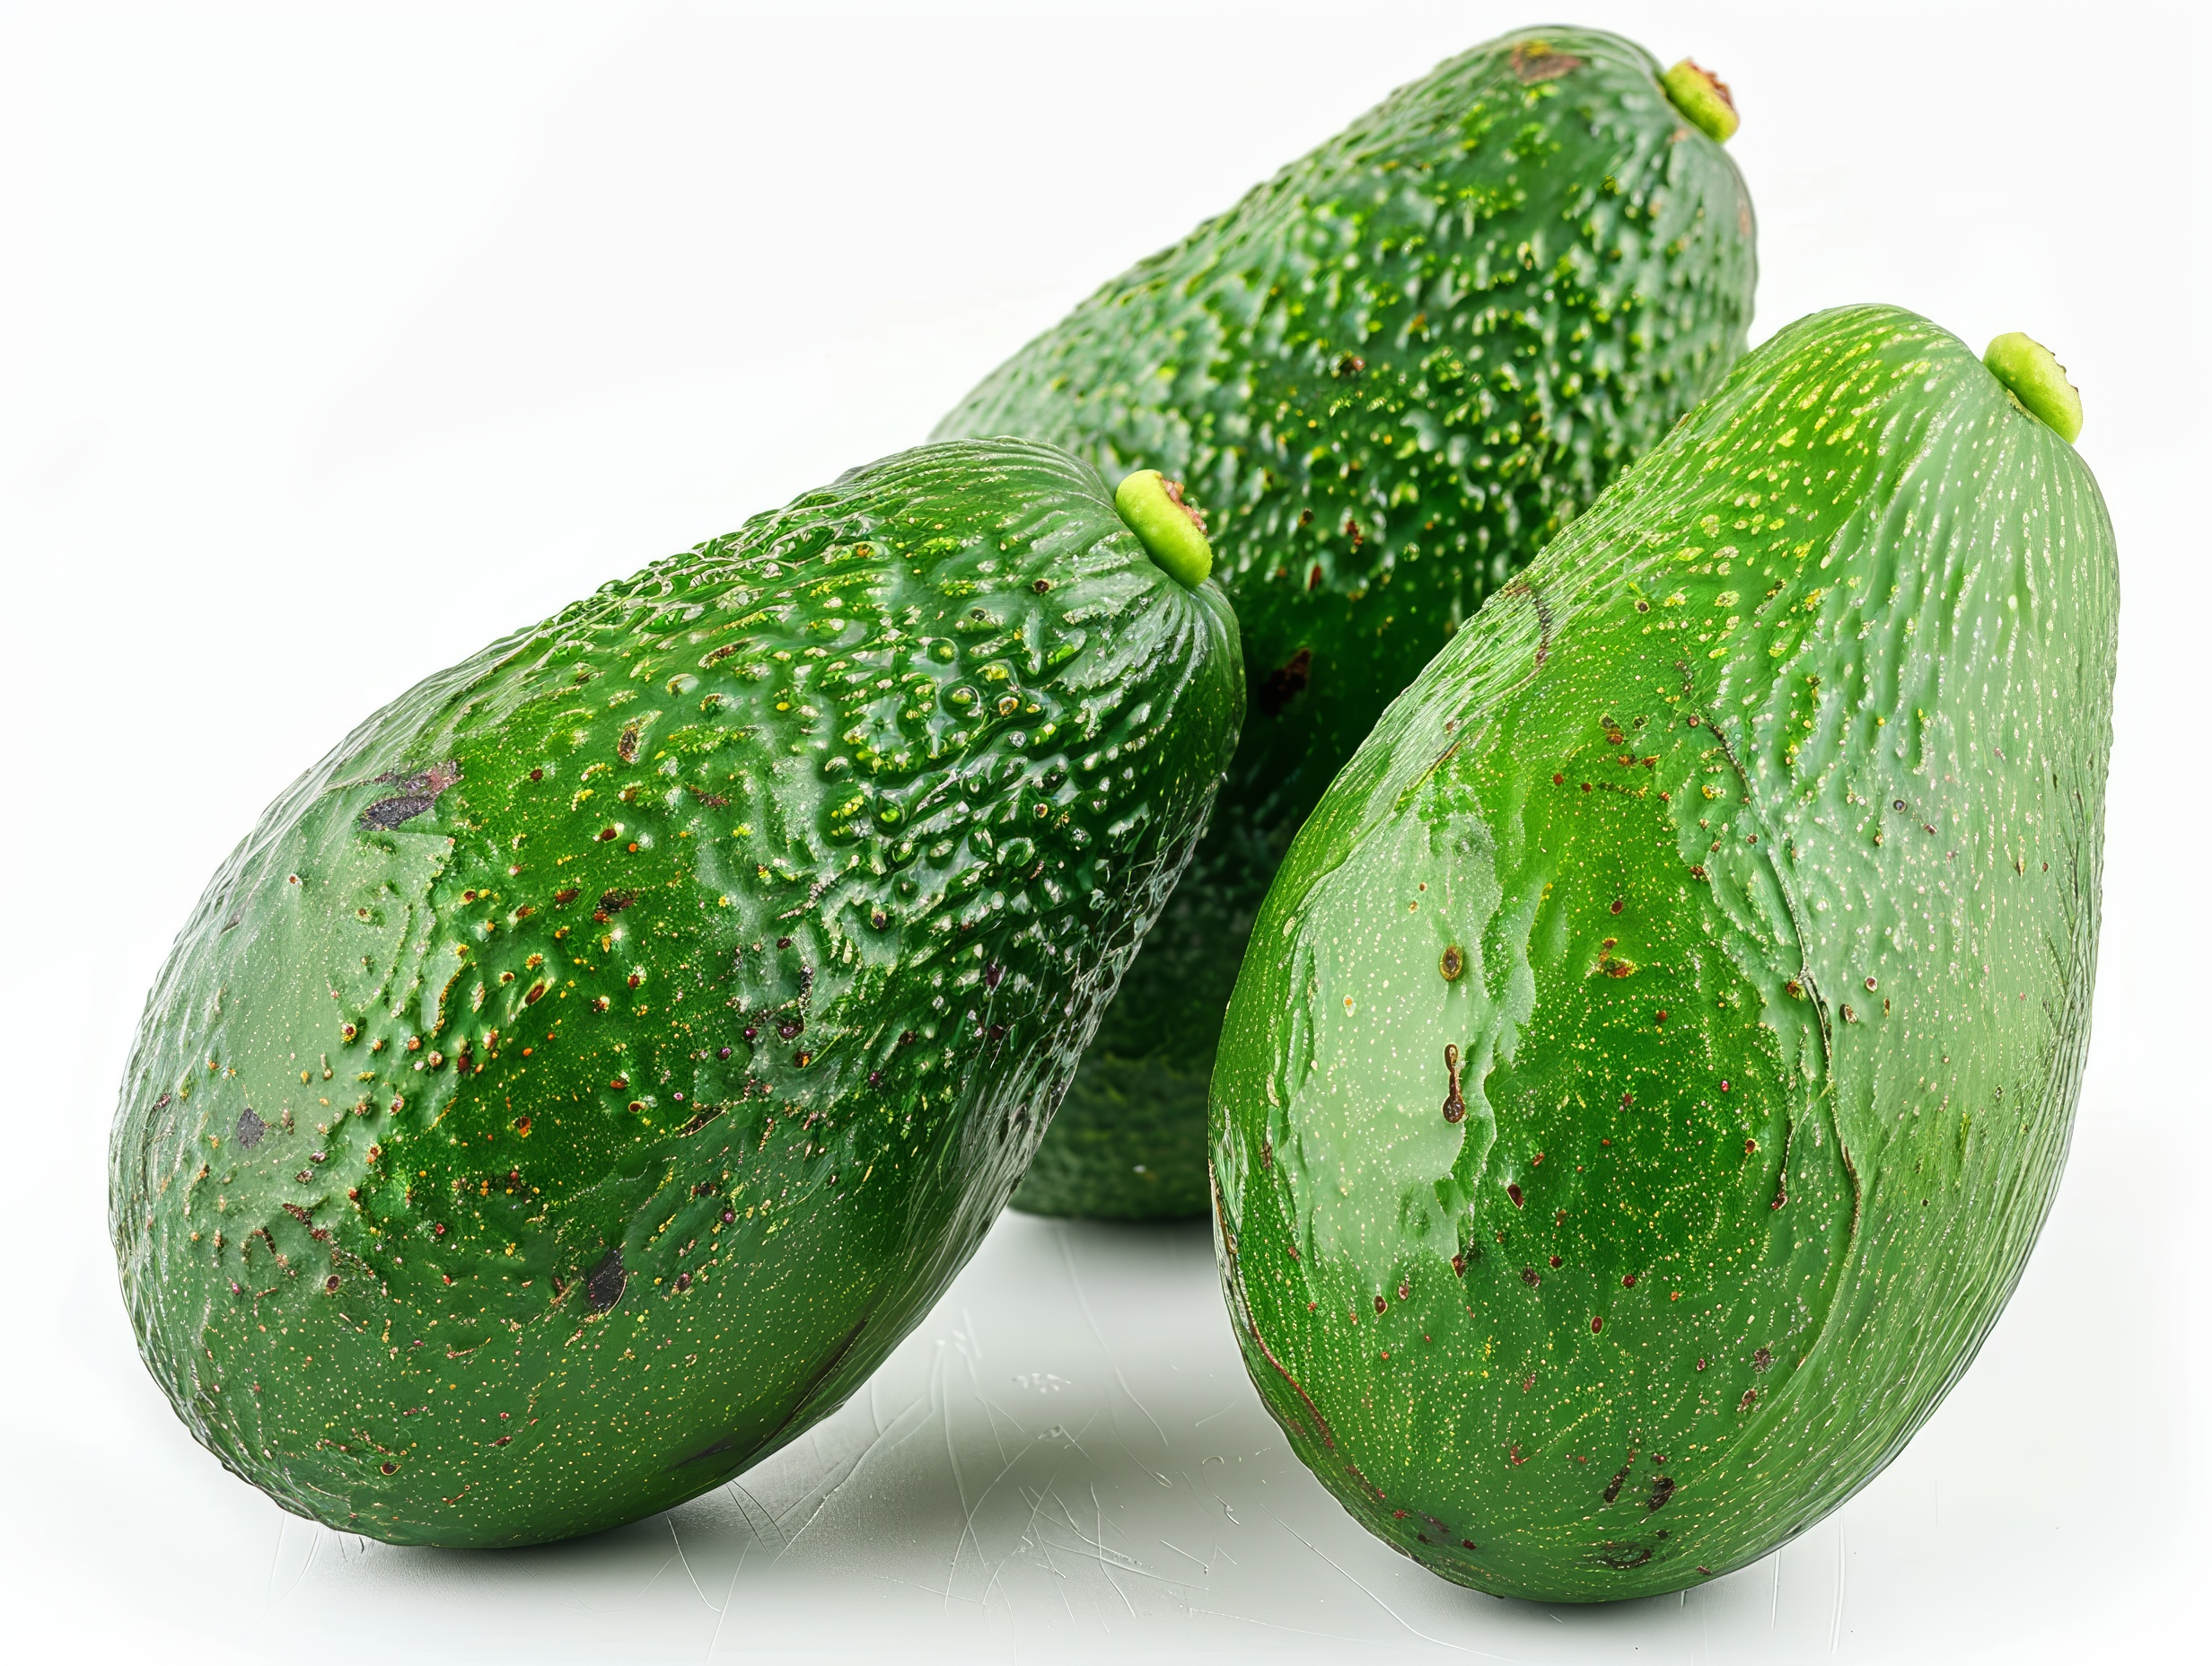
[1657, 1053]
[584, 1075]
[1388, 376]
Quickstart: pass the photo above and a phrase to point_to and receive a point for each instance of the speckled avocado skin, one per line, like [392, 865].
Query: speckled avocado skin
[1656, 1056]
[1389, 375]
[585, 1075]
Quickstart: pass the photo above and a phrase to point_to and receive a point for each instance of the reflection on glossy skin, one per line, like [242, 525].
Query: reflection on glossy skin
[1766, 814]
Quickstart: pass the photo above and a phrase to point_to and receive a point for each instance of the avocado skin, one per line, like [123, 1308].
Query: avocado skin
[1389, 375]
[1765, 814]
[583, 1076]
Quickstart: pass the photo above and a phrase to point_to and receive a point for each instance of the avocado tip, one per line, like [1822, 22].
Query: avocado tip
[1171, 529]
[1704, 97]
[2032, 375]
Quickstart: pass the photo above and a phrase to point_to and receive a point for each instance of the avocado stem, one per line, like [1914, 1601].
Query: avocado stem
[2037, 382]
[1703, 97]
[1173, 531]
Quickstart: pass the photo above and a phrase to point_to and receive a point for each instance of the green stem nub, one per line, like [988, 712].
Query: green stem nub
[1173, 531]
[1703, 97]
[2037, 380]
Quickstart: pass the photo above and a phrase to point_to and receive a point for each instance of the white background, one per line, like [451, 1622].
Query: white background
[335, 341]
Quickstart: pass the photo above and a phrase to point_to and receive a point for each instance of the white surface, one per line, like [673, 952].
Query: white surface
[336, 339]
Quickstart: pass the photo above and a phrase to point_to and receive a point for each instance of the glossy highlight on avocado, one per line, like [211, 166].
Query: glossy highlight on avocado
[1657, 1054]
[583, 1077]
[1389, 375]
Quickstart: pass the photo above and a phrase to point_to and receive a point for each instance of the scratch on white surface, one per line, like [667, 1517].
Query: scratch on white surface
[686, 1560]
[818, 1498]
[757, 1516]
[1203, 1566]
[1029, 1537]
[314, 1543]
[1773, 1596]
[1059, 1234]
[960, 1485]
[994, 1416]
[729, 1596]
[276, 1550]
[968, 1528]
[1459, 1648]
[1098, 1516]
[916, 1584]
[1210, 1416]
[1835, 1617]
[810, 1507]
[1103, 1554]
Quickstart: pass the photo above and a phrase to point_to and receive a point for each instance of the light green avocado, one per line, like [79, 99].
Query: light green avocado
[1657, 1053]
[584, 1075]
[1387, 376]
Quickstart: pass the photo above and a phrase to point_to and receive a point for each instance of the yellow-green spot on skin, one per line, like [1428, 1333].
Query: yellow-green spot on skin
[1703, 97]
[2035, 378]
[1173, 531]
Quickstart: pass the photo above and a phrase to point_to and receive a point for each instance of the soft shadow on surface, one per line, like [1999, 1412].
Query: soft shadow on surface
[1067, 1454]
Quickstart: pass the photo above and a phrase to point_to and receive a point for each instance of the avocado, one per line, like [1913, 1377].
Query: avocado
[1387, 376]
[583, 1077]
[1657, 1053]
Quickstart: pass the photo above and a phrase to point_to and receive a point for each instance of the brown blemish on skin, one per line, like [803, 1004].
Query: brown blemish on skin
[703, 1118]
[1452, 964]
[605, 1283]
[1455, 1106]
[1534, 61]
[1174, 490]
[417, 794]
[1613, 1487]
[1240, 1309]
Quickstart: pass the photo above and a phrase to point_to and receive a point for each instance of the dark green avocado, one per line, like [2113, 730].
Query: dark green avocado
[1389, 375]
[1657, 1054]
[584, 1075]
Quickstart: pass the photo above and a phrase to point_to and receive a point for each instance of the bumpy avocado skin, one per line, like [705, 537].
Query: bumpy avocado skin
[1389, 375]
[584, 1075]
[1761, 821]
